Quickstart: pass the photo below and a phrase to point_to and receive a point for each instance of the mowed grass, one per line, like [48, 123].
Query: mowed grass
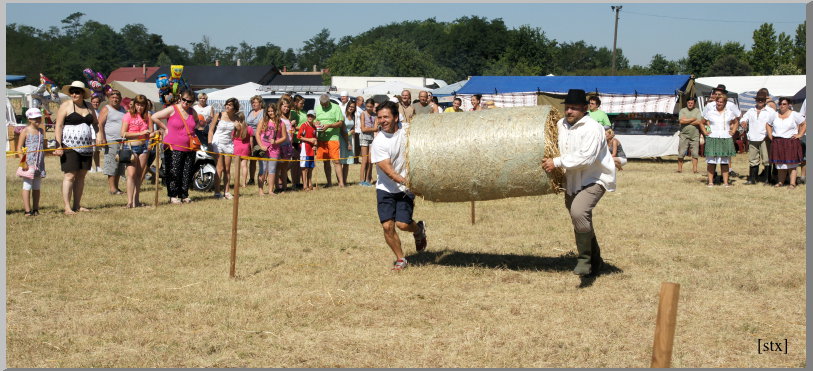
[149, 287]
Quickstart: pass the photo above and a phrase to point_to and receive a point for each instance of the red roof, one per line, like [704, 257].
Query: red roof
[131, 74]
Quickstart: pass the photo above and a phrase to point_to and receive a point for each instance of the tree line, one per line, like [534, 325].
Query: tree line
[452, 51]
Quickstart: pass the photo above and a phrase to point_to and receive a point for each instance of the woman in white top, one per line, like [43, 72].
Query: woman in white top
[204, 112]
[253, 118]
[220, 137]
[786, 148]
[719, 126]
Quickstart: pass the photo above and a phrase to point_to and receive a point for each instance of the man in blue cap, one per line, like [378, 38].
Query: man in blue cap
[589, 172]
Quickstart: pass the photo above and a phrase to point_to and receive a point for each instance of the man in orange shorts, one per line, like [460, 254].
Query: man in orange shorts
[329, 121]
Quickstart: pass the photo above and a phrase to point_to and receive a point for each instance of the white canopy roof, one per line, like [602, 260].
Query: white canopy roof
[391, 88]
[129, 89]
[241, 92]
[25, 89]
[778, 86]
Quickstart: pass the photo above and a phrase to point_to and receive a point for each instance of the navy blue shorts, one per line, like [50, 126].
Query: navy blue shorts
[396, 206]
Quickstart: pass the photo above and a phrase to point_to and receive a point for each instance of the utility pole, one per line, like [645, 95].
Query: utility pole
[615, 34]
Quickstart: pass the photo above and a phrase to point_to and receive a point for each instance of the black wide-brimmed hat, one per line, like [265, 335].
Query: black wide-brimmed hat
[721, 88]
[576, 96]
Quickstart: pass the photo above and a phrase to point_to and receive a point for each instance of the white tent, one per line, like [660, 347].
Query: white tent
[778, 86]
[747, 86]
[27, 90]
[129, 89]
[390, 88]
[243, 93]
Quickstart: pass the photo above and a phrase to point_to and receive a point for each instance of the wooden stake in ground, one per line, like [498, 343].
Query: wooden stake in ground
[472, 213]
[665, 325]
[315, 175]
[157, 175]
[235, 210]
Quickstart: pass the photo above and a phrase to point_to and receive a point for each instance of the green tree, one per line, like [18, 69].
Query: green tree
[701, 56]
[163, 60]
[245, 53]
[800, 46]
[787, 69]
[386, 57]
[729, 65]
[764, 49]
[662, 66]
[72, 23]
[100, 45]
[784, 50]
[204, 53]
[317, 50]
[140, 46]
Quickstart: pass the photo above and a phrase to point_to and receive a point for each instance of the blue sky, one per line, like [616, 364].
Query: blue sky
[644, 29]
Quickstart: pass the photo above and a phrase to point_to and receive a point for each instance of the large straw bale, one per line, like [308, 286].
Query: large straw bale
[482, 155]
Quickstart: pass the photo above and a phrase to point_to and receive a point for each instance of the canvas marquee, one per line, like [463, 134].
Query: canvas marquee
[619, 94]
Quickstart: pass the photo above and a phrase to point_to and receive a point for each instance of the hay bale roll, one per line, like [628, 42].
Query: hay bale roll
[482, 155]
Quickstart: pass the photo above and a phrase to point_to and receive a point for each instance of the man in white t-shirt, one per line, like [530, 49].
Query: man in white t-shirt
[589, 173]
[755, 121]
[395, 201]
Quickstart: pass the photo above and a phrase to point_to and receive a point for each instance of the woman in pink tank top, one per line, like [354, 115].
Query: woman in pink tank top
[178, 158]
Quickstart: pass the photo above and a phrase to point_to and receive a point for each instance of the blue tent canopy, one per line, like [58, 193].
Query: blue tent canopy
[653, 85]
[10, 78]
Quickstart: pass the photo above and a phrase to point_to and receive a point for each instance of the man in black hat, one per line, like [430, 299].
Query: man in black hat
[755, 121]
[589, 172]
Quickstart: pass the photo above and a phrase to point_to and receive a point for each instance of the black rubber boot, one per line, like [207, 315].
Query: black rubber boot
[752, 175]
[584, 245]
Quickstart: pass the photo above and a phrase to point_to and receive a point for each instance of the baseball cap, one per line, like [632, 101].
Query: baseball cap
[33, 113]
[311, 113]
[343, 94]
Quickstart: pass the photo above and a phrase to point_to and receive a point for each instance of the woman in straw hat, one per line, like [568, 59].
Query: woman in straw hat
[75, 124]
[722, 124]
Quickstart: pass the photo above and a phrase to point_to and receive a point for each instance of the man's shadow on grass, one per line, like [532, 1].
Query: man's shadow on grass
[451, 258]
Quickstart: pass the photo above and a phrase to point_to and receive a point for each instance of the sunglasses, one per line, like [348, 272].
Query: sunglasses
[760, 100]
[75, 91]
[190, 101]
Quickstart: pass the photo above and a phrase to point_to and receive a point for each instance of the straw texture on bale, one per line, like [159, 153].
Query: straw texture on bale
[483, 155]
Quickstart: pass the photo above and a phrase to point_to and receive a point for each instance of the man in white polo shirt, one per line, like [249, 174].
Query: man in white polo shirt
[589, 172]
[755, 121]
[395, 201]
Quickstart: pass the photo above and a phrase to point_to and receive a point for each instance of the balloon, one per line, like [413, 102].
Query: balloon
[95, 86]
[100, 78]
[161, 81]
[89, 74]
[175, 71]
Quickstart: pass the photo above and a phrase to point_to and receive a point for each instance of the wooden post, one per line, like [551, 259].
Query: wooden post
[472, 213]
[158, 147]
[315, 173]
[665, 325]
[235, 210]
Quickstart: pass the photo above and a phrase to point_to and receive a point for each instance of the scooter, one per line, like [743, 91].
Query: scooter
[205, 171]
[204, 166]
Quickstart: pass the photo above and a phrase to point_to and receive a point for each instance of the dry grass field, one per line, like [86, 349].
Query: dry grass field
[149, 287]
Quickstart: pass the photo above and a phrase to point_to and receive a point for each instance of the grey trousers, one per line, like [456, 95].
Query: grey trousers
[581, 207]
[758, 153]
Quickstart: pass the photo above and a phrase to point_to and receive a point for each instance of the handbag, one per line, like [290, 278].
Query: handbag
[26, 173]
[25, 170]
[125, 154]
[194, 141]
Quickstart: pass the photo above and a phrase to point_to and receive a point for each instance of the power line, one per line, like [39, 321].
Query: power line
[705, 19]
